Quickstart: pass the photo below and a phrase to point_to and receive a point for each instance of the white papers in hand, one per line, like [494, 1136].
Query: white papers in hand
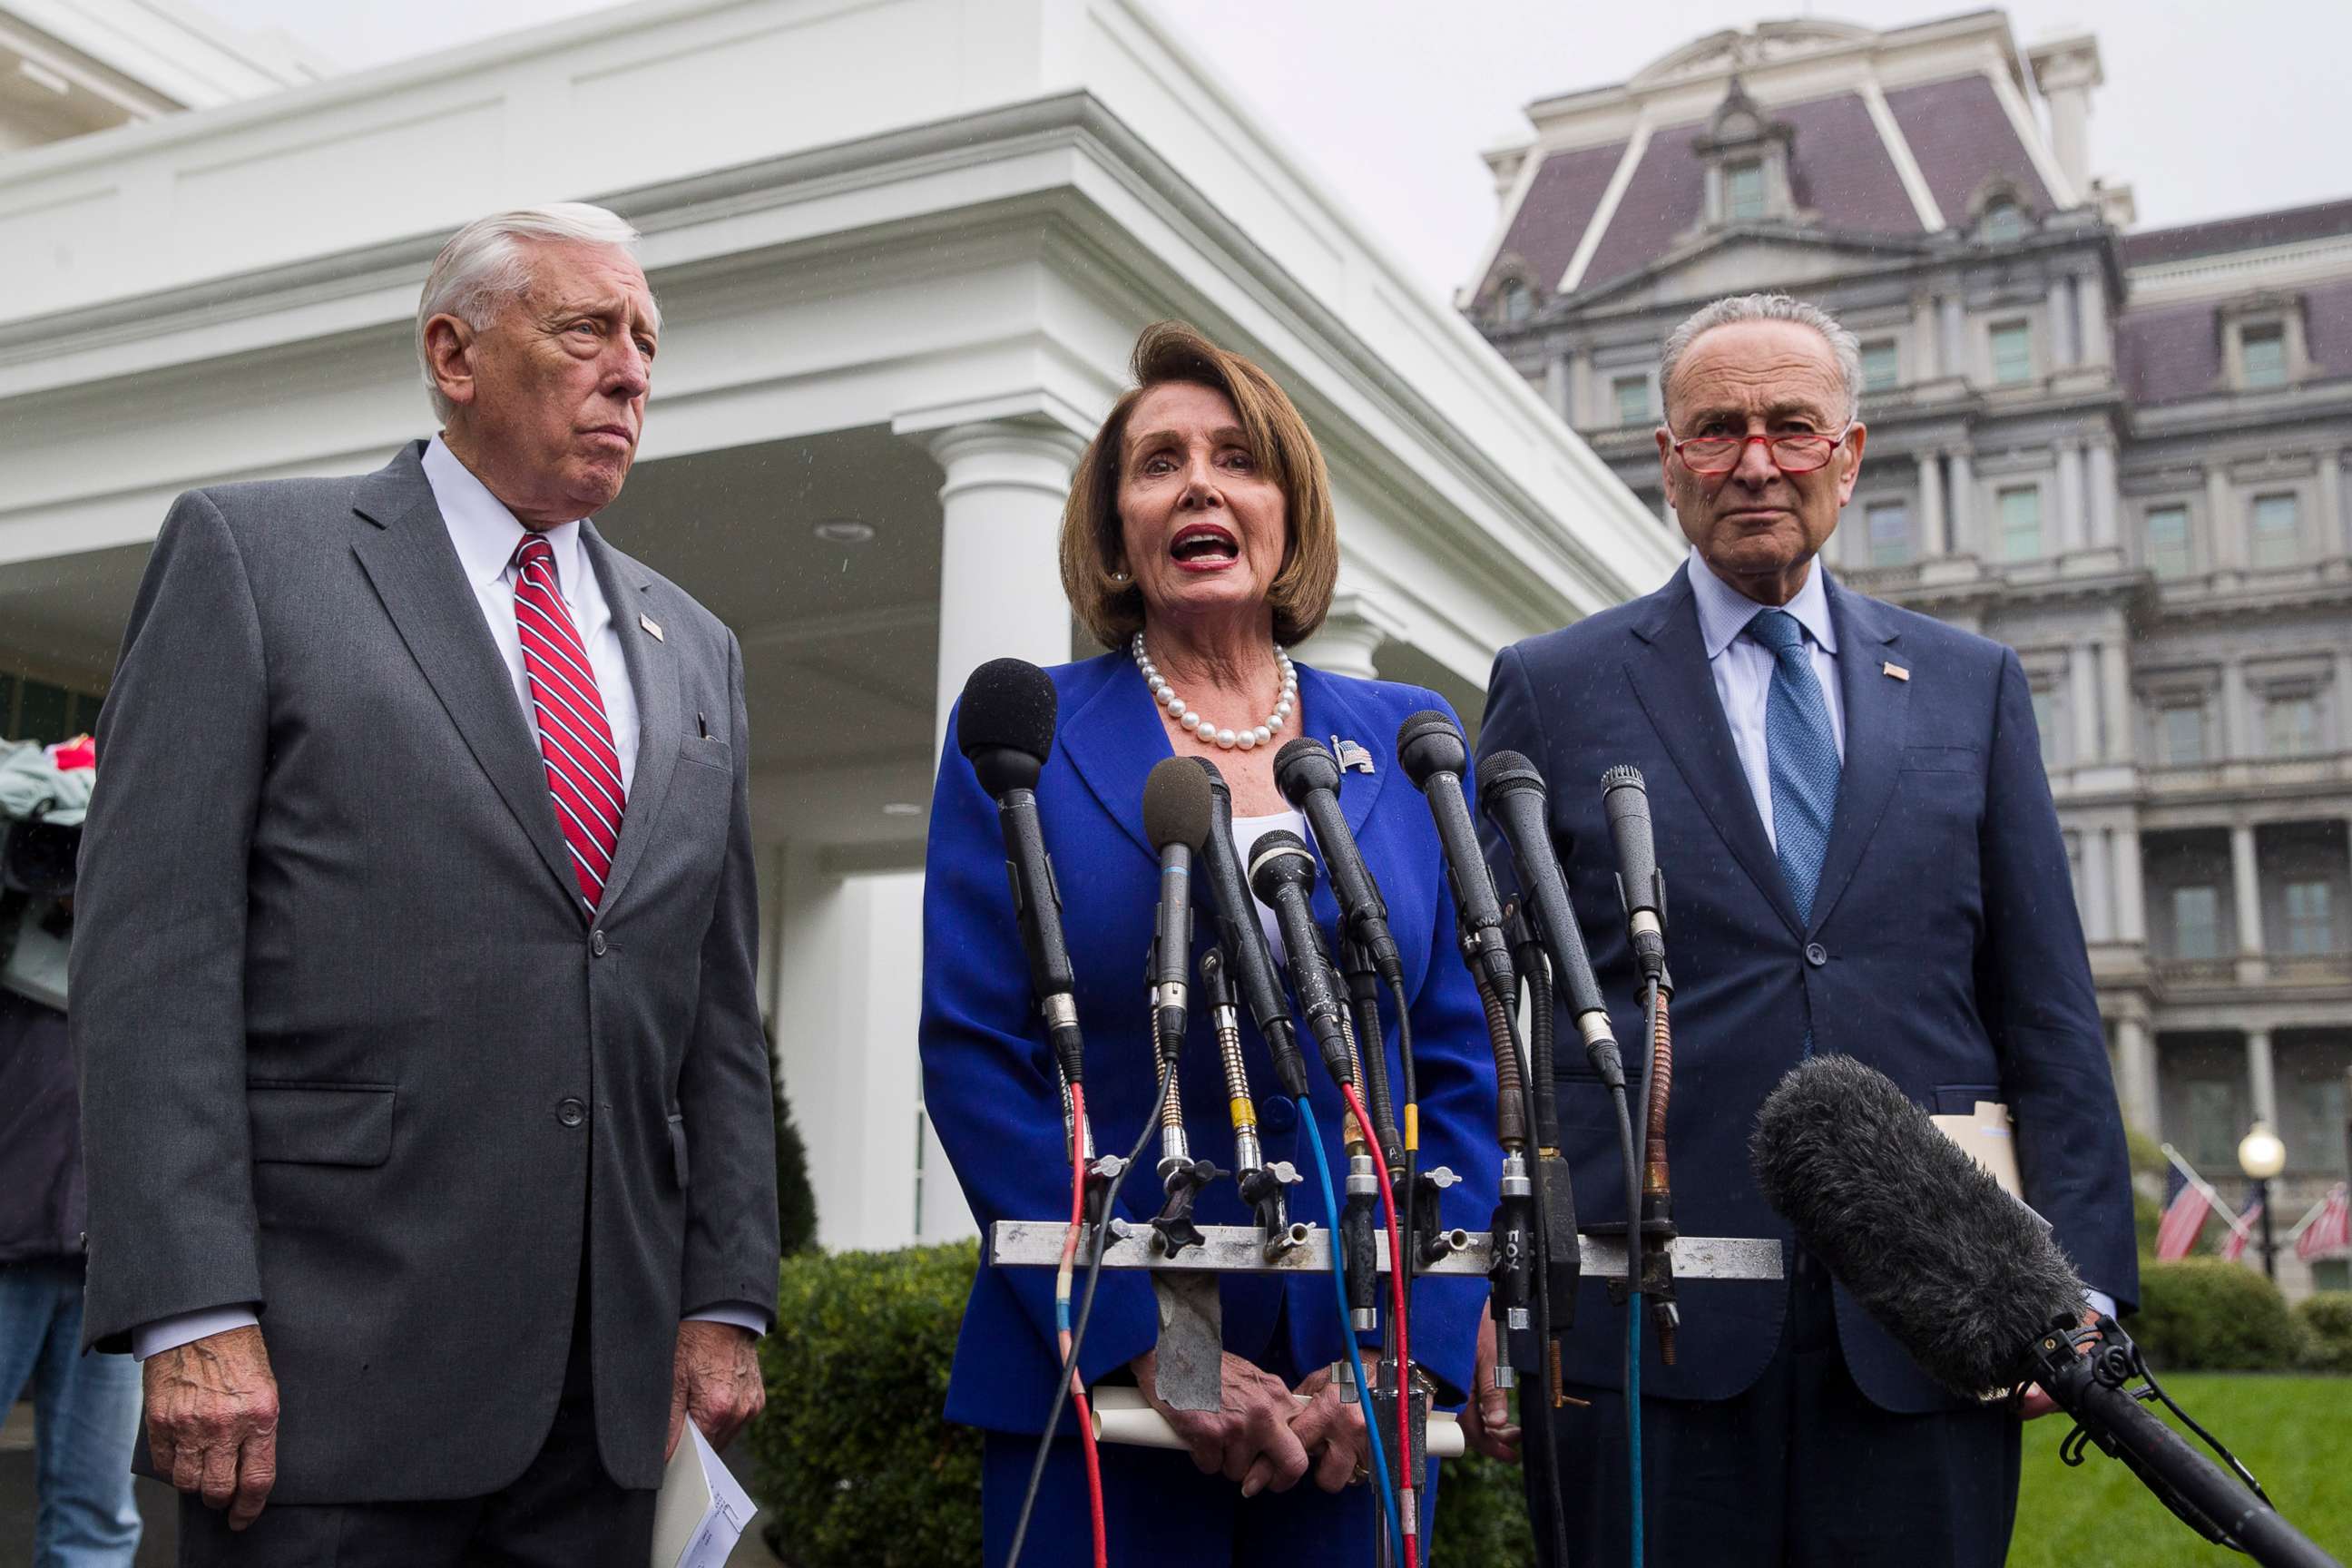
[701, 1509]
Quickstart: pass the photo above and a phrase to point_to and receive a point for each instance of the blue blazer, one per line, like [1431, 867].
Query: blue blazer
[988, 1081]
[1944, 948]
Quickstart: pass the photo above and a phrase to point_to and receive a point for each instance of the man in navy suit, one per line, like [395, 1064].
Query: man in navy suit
[1862, 856]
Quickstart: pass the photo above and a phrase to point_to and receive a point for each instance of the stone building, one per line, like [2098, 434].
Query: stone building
[2120, 452]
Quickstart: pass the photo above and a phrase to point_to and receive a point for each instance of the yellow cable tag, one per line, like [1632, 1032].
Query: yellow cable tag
[1413, 1126]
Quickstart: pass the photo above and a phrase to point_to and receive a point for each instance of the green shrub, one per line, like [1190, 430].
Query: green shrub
[1482, 1513]
[2203, 1314]
[853, 1457]
[2326, 1321]
[795, 1199]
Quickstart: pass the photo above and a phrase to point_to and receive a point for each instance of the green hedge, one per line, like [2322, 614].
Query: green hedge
[2326, 1321]
[2202, 1314]
[853, 1456]
[859, 1470]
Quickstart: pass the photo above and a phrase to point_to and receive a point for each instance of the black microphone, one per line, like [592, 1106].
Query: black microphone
[1244, 939]
[1309, 779]
[1004, 725]
[1282, 874]
[1176, 808]
[1640, 888]
[1433, 755]
[1970, 1282]
[1512, 794]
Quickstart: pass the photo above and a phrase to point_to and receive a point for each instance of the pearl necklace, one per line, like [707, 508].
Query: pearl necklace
[1203, 729]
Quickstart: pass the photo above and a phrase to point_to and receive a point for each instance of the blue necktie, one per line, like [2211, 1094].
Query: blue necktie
[1803, 757]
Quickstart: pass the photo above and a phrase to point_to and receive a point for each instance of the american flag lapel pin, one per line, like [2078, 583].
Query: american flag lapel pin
[1352, 755]
[1890, 667]
[654, 626]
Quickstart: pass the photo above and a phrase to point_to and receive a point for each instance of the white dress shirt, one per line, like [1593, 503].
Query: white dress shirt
[486, 535]
[1742, 668]
[1248, 831]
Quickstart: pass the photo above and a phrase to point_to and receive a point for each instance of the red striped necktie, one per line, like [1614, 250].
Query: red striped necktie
[583, 771]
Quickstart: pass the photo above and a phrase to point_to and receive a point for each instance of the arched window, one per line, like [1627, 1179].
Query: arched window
[1518, 302]
[2003, 220]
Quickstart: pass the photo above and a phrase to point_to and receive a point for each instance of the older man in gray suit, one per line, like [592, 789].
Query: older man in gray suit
[425, 1107]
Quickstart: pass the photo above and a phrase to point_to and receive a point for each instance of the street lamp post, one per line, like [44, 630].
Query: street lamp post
[2261, 1157]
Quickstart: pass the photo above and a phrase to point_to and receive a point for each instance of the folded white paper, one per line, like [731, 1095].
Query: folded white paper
[701, 1509]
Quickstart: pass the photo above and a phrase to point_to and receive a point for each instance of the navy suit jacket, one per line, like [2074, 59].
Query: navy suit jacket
[1944, 948]
[988, 1081]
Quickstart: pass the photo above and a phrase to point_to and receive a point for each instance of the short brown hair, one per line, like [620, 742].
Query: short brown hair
[1170, 351]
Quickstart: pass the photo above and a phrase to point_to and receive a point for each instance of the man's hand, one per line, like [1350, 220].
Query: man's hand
[716, 1380]
[1331, 1430]
[2033, 1405]
[1486, 1420]
[212, 1420]
[1248, 1438]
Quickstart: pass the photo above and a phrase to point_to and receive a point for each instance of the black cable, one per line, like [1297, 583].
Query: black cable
[1085, 1312]
[1411, 1201]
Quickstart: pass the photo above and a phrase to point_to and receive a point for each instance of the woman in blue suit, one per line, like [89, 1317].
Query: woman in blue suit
[1198, 542]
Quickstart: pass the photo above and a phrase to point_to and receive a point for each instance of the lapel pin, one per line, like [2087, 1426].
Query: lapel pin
[1890, 667]
[654, 626]
[1352, 755]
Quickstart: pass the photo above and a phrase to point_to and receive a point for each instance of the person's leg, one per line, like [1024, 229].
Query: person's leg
[87, 1417]
[1311, 1528]
[1158, 1510]
[27, 1301]
[564, 1511]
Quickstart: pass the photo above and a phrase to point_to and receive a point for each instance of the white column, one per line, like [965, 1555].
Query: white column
[2093, 293]
[2098, 888]
[999, 566]
[2247, 889]
[2061, 322]
[2262, 1076]
[2237, 729]
[2070, 496]
[1954, 348]
[2100, 481]
[2131, 903]
[1580, 379]
[1350, 639]
[2332, 536]
[1964, 508]
[2082, 696]
[2135, 1083]
[2114, 684]
[2224, 538]
[1926, 364]
[1556, 385]
[1930, 533]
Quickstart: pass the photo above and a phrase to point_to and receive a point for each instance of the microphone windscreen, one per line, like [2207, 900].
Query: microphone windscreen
[1506, 770]
[1429, 743]
[1177, 804]
[1008, 704]
[1963, 1275]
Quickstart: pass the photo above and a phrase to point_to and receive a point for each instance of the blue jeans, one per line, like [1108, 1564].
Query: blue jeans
[86, 1418]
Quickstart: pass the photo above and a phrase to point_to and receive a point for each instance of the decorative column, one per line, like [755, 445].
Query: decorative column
[1580, 377]
[1928, 364]
[2097, 900]
[2070, 496]
[2222, 532]
[1555, 387]
[1932, 541]
[1964, 508]
[2246, 891]
[2100, 481]
[1000, 565]
[2237, 732]
[2114, 683]
[2262, 1076]
[2083, 695]
[1350, 637]
[2331, 532]
[1955, 347]
[2131, 903]
[2135, 1082]
[2093, 293]
[2061, 322]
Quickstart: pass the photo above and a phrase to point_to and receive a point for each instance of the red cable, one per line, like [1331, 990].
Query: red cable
[1398, 1265]
[1062, 1303]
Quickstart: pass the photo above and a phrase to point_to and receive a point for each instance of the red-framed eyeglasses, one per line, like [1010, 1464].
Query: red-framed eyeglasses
[1790, 454]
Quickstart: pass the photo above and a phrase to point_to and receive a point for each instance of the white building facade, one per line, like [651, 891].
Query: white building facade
[903, 249]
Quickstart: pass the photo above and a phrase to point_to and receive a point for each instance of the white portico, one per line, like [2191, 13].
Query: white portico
[903, 248]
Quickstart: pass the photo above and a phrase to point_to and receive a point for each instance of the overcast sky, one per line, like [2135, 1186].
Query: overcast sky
[2208, 109]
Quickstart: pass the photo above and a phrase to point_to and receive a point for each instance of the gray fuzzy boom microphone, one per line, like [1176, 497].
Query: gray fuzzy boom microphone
[1963, 1275]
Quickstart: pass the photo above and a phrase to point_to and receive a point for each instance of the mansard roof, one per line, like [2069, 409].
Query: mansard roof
[2249, 231]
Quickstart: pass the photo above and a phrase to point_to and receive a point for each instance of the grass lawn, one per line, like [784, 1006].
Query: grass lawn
[2294, 1433]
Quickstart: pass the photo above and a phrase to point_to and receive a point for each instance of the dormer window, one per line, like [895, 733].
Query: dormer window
[1746, 158]
[2263, 351]
[1518, 302]
[2262, 342]
[2005, 222]
[1743, 191]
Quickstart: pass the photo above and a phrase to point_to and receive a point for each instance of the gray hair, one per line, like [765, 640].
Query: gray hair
[1845, 347]
[484, 266]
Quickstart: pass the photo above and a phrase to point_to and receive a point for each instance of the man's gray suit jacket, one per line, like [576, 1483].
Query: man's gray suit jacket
[351, 1048]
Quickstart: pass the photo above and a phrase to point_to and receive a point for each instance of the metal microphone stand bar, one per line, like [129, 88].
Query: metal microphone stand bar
[1241, 1249]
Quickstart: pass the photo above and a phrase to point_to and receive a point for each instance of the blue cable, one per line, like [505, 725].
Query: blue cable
[1634, 1413]
[1386, 1489]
